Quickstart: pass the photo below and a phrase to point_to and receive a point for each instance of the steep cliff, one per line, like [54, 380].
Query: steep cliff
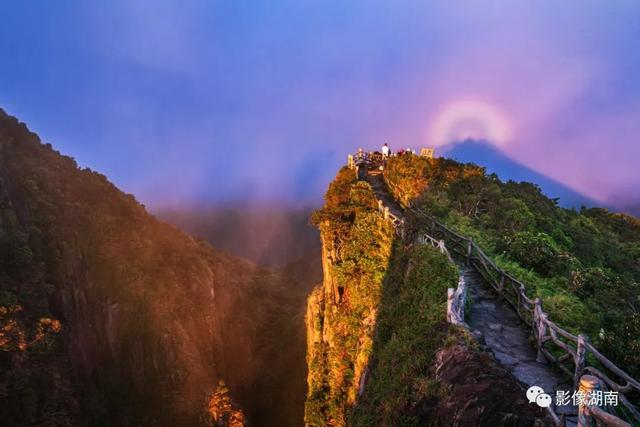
[379, 349]
[111, 317]
[341, 313]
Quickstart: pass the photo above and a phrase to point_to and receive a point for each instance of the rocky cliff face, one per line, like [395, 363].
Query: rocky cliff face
[341, 313]
[111, 317]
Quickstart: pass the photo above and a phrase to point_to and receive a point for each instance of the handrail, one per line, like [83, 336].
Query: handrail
[426, 239]
[456, 298]
[529, 310]
[455, 303]
[397, 222]
[590, 408]
[575, 348]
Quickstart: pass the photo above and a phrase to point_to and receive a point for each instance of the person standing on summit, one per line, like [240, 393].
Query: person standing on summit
[385, 151]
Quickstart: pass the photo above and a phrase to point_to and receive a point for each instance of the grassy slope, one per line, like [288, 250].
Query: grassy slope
[411, 328]
[418, 366]
[583, 264]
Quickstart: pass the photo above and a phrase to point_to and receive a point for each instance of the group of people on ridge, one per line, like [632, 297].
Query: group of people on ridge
[386, 151]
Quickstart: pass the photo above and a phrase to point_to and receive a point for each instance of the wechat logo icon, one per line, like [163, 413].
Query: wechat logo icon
[537, 395]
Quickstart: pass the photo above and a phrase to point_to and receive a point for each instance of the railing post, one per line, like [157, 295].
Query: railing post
[581, 352]
[463, 297]
[469, 249]
[501, 284]
[539, 328]
[588, 384]
[450, 292]
[519, 305]
[357, 173]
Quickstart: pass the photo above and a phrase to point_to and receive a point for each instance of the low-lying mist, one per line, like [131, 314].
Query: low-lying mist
[270, 236]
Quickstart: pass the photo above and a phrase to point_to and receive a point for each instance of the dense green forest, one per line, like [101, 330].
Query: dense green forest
[584, 264]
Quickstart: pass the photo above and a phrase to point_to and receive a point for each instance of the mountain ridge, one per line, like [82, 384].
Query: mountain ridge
[110, 316]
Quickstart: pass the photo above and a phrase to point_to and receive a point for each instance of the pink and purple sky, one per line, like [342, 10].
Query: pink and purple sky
[184, 102]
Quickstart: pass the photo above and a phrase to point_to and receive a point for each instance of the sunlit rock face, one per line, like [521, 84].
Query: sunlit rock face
[111, 317]
[341, 312]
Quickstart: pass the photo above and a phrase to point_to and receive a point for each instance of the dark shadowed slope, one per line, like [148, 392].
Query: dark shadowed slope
[495, 161]
[111, 317]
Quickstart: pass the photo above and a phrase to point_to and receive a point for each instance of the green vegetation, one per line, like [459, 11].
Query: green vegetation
[111, 317]
[411, 328]
[584, 265]
[381, 312]
[97, 283]
[357, 245]
[408, 176]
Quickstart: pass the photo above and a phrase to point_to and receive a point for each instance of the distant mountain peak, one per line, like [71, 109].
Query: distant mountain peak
[488, 155]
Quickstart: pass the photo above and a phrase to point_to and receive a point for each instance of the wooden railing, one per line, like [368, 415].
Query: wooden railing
[439, 244]
[566, 351]
[397, 222]
[591, 408]
[456, 298]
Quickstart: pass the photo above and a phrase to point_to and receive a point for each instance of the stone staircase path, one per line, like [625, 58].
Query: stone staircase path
[500, 329]
[507, 337]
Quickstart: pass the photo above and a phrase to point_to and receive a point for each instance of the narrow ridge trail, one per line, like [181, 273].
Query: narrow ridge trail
[501, 330]
[508, 339]
[374, 178]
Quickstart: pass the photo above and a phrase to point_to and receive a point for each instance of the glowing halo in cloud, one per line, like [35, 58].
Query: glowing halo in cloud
[469, 119]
